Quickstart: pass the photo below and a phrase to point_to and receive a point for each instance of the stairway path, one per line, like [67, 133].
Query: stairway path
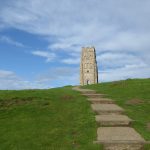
[100, 100]
[113, 120]
[114, 130]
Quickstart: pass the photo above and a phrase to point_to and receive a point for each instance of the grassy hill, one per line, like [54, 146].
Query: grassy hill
[61, 119]
[55, 119]
[134, 97]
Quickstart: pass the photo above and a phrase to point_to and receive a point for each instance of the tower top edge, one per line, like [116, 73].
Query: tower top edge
[88, 48]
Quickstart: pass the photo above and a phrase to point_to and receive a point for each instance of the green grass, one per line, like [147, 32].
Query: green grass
[62, 119]
[55, 119]
[134, 97]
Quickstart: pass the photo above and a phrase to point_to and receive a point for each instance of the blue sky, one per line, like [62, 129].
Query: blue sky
[41, 40]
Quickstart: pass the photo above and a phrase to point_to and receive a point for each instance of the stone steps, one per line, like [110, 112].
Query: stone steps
[100, 101]
[113, 120]
[107, 109]
[83, 90]
[88, 92]
[114, 131]
[94, 95]
[119, 138]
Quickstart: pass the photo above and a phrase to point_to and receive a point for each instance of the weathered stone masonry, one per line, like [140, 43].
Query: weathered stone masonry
[88, 66]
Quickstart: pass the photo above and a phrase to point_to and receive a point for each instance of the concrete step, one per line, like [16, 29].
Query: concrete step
[100, 101]
[107, 109]
[119, 138]
[113, 120]
[86, 91]
[96, 95]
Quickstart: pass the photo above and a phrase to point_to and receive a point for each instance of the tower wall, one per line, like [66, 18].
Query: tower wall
[88, 66]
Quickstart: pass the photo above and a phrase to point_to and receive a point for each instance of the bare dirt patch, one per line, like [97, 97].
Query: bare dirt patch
[15, 101]
[134, 102]
[148, 126]
[118, 84]
[67, 97]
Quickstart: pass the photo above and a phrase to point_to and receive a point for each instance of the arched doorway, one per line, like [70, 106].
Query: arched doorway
[87, 82]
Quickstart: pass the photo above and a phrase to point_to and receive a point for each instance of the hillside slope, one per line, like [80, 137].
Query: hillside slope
[62, 119]
[134, 97]
[54, 119]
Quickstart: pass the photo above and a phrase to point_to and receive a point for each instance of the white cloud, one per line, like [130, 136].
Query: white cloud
[129, 71]
[60, 76]
[106, 24]
[120, 31]
[71, 61]
[49, 56]
[119, 60]
[8, 40]
[127, 41]
[119, 66]
[6, 74]
[11, 81]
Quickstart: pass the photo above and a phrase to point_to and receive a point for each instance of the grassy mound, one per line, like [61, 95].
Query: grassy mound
[62, 119]
[134, 97]
[55, 119]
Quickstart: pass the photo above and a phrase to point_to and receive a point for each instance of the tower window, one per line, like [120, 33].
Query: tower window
[87, 71]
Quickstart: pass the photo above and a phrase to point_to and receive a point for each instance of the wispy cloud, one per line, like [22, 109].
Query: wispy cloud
[6, 74]
[10, 80]
[128, 71]
[60, 76]
[71, 61]
[8, 40]
[119, 25]
[120, 31]
[118, 60]
[48, 55]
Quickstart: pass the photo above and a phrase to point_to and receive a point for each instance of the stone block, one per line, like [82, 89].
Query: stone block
[113, 120]
[107, 109]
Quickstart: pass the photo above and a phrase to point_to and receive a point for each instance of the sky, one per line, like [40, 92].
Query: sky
[41, 41]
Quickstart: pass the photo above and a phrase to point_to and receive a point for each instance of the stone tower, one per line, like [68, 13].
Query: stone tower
[88, 66]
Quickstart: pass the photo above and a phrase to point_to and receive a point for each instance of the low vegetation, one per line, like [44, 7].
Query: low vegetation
[54, 119]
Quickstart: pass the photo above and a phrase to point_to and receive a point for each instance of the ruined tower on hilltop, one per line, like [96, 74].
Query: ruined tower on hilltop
[88, 66]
